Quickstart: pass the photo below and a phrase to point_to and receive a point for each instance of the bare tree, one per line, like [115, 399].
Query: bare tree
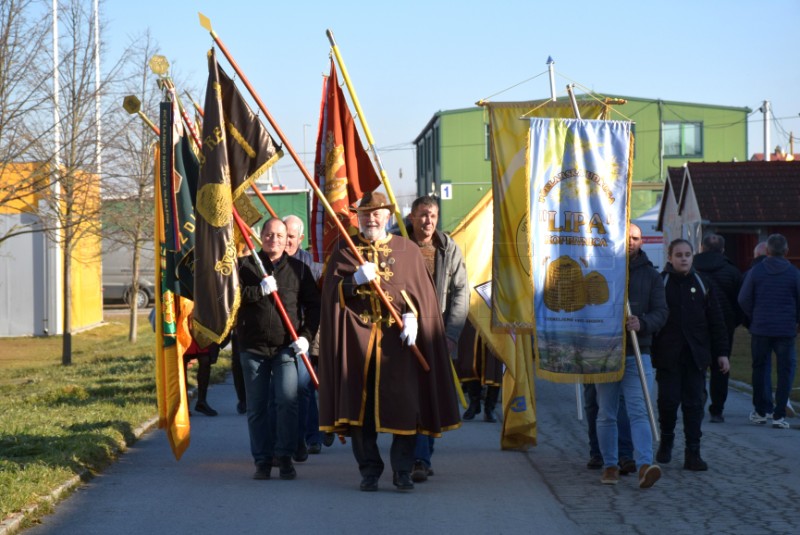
[70, 208]
[128, 189]
[24, 93]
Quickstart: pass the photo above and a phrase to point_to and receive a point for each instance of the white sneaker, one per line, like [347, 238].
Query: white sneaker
[781, 423]
[756, 418]
[790, 410]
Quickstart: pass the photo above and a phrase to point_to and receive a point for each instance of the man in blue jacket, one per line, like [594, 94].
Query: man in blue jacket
[770, 298]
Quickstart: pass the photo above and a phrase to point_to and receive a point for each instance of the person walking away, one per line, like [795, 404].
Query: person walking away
[727, 281]
[770, 299]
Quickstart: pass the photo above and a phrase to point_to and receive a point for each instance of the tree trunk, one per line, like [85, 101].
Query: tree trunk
[134, 291]
[66, 345]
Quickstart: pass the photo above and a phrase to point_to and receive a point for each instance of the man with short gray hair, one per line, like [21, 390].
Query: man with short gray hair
[770, 298]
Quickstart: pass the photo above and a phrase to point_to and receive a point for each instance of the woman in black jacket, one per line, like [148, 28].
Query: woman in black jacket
[683, 349]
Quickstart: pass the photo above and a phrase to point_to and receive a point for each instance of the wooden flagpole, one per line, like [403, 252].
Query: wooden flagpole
[206, 23]
[368, 133]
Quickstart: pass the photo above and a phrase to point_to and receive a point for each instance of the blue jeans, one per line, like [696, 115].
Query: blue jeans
[308, 413]
[608, 397]
[280, 373]
[424, 449]
[625, 444]
[785, 361]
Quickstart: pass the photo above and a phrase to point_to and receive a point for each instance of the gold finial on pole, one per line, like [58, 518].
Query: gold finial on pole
[132, 105]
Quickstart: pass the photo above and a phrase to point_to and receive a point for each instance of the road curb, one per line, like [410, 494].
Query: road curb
[15, 521]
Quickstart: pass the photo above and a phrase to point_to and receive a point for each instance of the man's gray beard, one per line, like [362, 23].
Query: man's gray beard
[373, 234]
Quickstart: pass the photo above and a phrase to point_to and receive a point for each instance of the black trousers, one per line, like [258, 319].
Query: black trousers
[718, 385]
[684, 387]
[364, 440]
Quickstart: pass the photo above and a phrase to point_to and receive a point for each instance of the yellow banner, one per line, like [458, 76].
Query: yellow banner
[511, 260]
[474, 236]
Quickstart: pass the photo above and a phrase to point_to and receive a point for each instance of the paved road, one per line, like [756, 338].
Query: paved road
[753, 485]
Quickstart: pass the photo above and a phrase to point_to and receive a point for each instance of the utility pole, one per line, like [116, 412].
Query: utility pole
[765, 109]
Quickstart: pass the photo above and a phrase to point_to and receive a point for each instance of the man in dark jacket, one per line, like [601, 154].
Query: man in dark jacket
[770, 298]
[727, 280]
[268, 354]
[648, 314]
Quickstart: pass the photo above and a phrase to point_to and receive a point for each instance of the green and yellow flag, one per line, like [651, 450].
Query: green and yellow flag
[173, 222]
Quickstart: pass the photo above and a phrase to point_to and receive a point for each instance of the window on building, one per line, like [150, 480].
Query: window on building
[436, 150]
[682, 139]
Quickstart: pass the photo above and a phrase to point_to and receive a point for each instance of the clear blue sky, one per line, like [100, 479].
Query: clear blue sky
[410, 59]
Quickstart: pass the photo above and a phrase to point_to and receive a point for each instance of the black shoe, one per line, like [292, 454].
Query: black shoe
[287, 470]
[241, 407]
[419, 473]
[205, 408]
[402, 480]
[472, 410]
[627, 466]
[369, 483]
[488, 416]
[315, 449]
[327, 440]
[301, 453]
[692, 461]
[717, 419]
[595, 463]
[262, 471]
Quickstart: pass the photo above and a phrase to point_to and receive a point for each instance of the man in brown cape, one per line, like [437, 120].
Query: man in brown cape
[370, 381]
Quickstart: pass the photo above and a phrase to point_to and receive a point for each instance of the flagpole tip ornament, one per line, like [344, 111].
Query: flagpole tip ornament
[329, 33]
[131, 104]
[373, 200]
[205, 22]
[159, 65]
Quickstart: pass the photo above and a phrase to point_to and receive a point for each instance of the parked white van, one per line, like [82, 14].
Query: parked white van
[118, 274]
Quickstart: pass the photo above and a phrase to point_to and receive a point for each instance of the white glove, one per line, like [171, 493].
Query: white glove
[366, 273]
[409, 334]
[268, 285]
[300, 345]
